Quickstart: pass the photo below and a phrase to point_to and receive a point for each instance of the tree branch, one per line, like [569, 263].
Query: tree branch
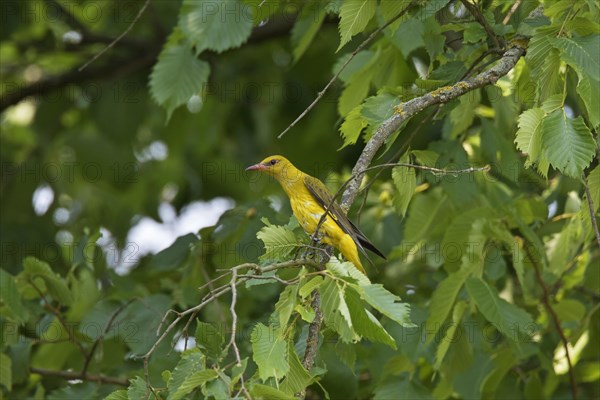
[591, 209]
[555, 319]
[69, 375]
[408, 109]
[118, 38]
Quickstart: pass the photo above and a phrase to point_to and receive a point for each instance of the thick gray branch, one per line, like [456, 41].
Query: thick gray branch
[408, 109]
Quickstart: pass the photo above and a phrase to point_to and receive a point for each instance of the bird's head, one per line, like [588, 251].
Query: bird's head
[278, 167]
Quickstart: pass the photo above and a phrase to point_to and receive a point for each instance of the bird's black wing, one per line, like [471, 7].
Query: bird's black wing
[322, 196]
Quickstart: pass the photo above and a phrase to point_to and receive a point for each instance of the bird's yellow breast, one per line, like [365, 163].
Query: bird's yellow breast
[308, 213]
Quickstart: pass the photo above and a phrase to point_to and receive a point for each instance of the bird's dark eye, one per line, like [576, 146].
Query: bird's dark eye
[273, 162]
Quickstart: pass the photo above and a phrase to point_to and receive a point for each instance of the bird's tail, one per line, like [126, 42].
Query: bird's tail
[349, 251]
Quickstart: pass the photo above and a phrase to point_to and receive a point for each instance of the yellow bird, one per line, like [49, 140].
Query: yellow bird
[308, 198]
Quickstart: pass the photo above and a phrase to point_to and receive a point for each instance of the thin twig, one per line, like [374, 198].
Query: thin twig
[112, 319]
[60, 318]
[511, 12]
[70, 375]
[591, 209]
[118, 38]
[232, 343]
[555, 319]
[344, 65]
[480, 18]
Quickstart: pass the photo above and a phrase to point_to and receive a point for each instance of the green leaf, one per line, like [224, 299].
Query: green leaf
[352, 126]
[309, 286]
[191, 362]
[269, 352]
[405, 181]
[593, 182]
[285, 305]
[34, 268]
[529, 138]
[450, 334]
[509, 319]
[503, 362]
[355, 92]
[409, 28]
[298, 377]
[5, 371]
[11, 305]
[354, 17]
[118, 395]
[387, 303]
[364, 323]
[209, 339]
[581, 52]
[138, 389]
[335, 310]
[306, 27]
[193, 381]
[264, 392]
[177, 76]
[443, 299]
[279, 242]
[173, 256]
[567, 143]
[427, 158]
[217, 26]
[589, 91]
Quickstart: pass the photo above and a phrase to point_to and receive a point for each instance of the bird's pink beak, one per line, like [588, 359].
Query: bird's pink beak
[256, 167]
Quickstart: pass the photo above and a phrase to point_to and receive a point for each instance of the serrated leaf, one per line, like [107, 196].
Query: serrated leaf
[279, 242]
[209, 339]
[193, 381]
[286, 303]
[298, 377]
[593, 182]
[335, 310]
[405, 181]
[355, 92]
[264, 392]
[137, 389]
[177, 76]
[11, 305]
[352, 126]
[503, 362]
[307, 313]
[509, 319]
[191, 362]
[306, 27]
[34, 268]
[386, 303]
[354, 17]
[589, 91]
[309, 286]
[443, 299]
[449, 336]
[529, 138]
[581, 52]
[345, 270]
[364, 323]
[567, 143]
[118, 395]
[427, 158]
[217, 26]
[269, 352]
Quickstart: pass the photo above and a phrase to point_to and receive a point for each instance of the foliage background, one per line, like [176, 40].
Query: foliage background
[490, 263]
